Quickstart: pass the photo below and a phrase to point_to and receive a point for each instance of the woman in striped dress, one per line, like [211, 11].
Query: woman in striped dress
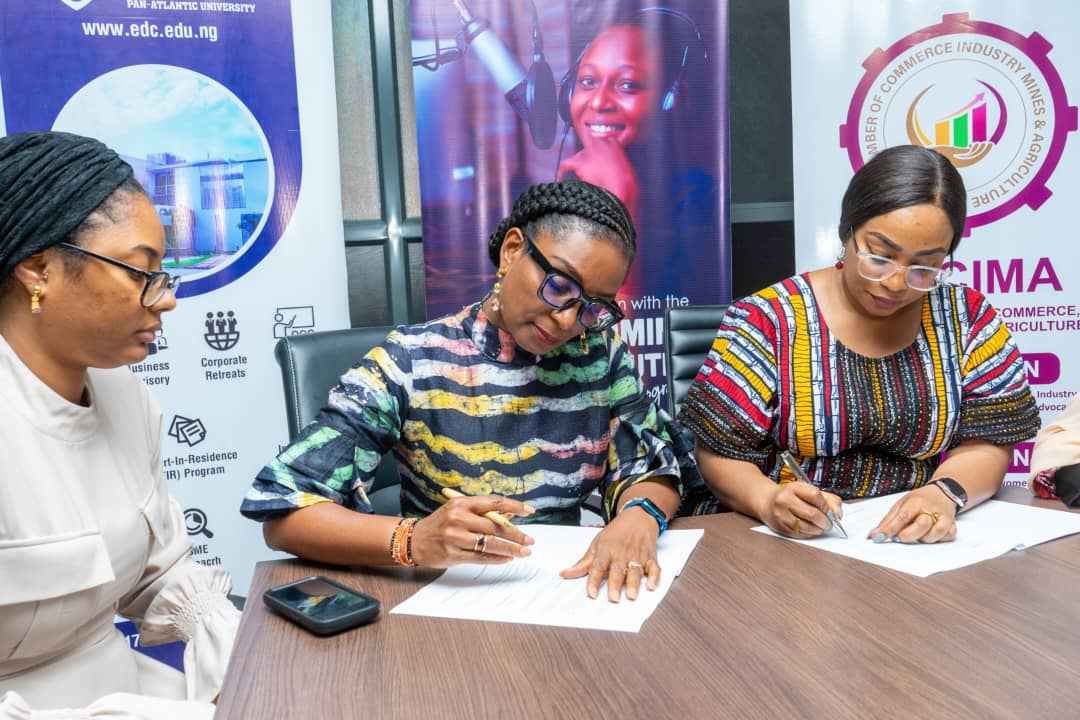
[525, 402]
[876, 375]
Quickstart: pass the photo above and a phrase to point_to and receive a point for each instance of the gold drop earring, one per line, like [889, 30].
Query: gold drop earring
[495, 290]
[35, 301]
[584, 344]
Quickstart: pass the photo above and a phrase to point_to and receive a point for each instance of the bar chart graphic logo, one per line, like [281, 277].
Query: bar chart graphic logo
[985, 96]
[965, 135]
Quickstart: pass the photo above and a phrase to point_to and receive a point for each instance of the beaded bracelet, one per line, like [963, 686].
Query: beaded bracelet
[393, 535]
[401, 542]
[650, 507]
[401, 547]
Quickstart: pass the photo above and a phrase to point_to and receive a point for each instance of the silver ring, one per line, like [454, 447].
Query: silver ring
[634, 565]
[481, 543]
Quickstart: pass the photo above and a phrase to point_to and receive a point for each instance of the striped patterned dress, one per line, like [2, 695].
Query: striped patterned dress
[776, 377]
[462, 406]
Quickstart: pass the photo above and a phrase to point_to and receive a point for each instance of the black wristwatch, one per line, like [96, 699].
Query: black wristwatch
[954, 491]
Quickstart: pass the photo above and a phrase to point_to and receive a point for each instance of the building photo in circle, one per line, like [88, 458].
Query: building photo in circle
[197, 150]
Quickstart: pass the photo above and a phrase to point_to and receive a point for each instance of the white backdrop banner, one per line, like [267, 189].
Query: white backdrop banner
[226, 111]
[992, 86]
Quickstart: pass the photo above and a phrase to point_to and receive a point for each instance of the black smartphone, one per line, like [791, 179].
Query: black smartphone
[321, 605]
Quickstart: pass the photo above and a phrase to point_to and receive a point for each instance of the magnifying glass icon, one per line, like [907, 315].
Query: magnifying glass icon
[195, 520]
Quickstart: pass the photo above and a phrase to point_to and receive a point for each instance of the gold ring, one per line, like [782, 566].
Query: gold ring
[634, 565]
[932, 515]
[795, 528]
[481, 543]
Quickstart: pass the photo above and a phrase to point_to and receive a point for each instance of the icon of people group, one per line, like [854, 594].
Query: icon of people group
[221, 332]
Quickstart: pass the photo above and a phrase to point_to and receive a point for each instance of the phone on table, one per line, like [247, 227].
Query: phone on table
[322, 606]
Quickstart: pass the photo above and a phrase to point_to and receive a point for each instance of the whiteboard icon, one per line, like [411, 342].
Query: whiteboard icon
[298, 320]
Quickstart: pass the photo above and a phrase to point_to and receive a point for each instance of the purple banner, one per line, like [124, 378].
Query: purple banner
[200, 97]
[631, 96]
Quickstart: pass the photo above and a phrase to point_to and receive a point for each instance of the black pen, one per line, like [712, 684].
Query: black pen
[801, 477]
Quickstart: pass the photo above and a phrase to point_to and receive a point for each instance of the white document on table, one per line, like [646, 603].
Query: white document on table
[986, 531]
[529, 590]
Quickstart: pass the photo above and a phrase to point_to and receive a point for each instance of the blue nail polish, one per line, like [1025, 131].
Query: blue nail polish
[879, 538]
[828, 514]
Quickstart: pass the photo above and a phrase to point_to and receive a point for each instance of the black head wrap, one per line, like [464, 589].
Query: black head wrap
[49, 183]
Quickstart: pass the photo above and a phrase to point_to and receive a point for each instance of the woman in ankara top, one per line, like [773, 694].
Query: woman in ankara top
[876, 375]
[526, 402]
[87, 527]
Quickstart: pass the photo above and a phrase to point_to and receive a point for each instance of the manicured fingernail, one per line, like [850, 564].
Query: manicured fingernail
[829, 514]
[879, 538]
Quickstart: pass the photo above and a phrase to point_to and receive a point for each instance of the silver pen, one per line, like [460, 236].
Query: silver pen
[800, 475]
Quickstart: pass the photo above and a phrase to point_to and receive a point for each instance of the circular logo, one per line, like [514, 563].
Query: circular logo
[981, 94]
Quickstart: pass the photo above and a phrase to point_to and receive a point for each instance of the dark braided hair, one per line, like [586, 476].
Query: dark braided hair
[560, 207]
[50, 182]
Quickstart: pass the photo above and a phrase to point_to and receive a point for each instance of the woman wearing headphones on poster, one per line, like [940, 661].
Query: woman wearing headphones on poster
[628, 98]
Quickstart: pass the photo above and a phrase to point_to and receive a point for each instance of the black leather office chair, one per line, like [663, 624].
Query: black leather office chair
[688, 335]
[310, 365]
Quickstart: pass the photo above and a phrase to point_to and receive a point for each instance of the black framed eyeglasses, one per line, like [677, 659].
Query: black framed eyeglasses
[876, 268]
[559, 291]
[156, 282]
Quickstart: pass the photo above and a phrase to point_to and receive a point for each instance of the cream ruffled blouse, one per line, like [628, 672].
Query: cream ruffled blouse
[88, 530]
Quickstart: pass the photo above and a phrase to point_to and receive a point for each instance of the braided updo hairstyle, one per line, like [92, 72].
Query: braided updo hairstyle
[558, 208]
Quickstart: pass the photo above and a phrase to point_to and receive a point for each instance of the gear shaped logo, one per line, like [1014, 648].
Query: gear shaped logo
[983, 95]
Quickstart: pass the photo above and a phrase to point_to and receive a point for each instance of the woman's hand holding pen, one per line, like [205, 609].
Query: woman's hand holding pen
[799, 509]
[924, 515]
[460, 532]
[622, 553]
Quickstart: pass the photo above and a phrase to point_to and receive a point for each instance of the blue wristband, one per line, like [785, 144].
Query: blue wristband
[650, 507]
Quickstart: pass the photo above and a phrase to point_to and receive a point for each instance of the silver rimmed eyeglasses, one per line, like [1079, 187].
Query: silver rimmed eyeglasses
[156, 282]
[559, 291]
[878, 269]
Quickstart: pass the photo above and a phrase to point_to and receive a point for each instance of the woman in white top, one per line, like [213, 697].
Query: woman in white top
[87, 527]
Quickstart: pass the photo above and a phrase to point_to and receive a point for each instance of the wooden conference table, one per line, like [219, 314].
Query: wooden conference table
[754, 627]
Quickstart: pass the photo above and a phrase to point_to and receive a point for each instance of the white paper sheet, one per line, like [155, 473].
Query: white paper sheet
[529, 590]
[991, 529]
